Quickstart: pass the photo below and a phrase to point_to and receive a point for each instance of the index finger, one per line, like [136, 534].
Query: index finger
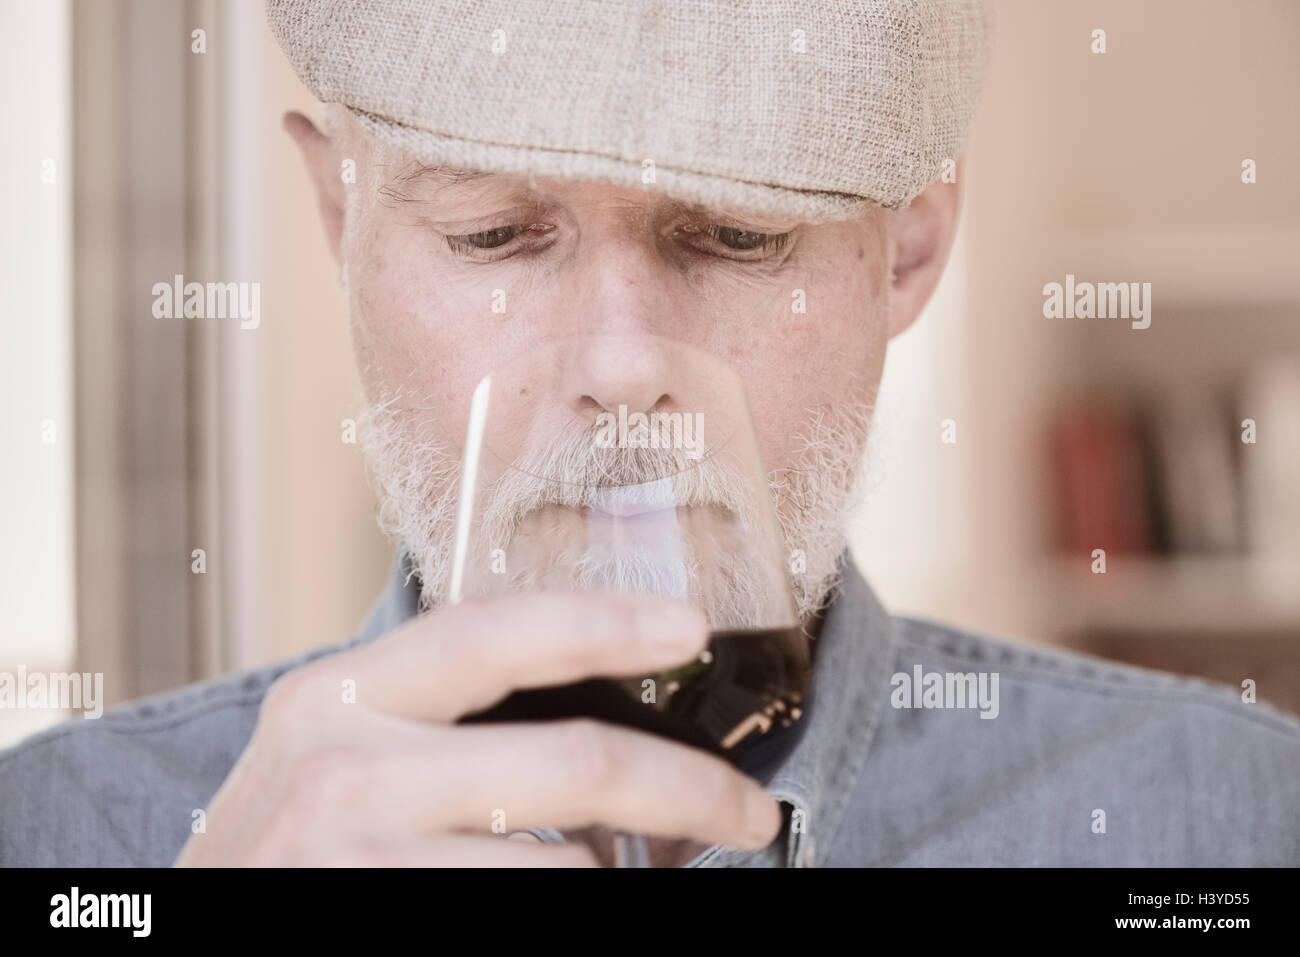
[465, 658]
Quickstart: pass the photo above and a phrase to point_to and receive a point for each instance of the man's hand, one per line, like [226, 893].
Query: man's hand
[392, 780]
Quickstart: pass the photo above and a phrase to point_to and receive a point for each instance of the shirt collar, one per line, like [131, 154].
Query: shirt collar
[855, 652]
[398, 602]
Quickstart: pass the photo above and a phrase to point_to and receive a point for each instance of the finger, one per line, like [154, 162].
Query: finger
[467, 657]
[570, 774]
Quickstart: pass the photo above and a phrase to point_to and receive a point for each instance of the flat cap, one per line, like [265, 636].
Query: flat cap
[806, 108]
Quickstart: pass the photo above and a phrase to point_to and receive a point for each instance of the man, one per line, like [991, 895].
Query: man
[687, 171]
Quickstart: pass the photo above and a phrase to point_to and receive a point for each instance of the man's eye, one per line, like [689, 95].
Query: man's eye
[742, 240]
[488, 239]
[492, 245]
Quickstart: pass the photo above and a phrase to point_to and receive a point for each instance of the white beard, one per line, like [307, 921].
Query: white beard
[814, 497]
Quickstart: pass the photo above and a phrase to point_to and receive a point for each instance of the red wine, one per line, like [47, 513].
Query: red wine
[741, 699]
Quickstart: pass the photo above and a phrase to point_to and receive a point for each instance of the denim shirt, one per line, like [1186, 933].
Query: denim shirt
[1081, 762]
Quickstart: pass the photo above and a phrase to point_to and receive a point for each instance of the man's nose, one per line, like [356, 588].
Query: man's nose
[618, 281]
[632, 371]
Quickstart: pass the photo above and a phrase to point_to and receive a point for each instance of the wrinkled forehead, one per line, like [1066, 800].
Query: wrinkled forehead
[450, 193]
[395, 180]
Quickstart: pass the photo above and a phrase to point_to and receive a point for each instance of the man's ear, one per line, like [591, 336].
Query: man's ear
[922, 236]
[320, 158]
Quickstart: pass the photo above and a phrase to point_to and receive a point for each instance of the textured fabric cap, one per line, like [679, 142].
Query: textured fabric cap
[805, 108]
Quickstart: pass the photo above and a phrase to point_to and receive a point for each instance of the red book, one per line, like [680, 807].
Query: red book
[1101, 482]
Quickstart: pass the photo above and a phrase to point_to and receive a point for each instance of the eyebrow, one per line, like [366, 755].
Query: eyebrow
[415, 172]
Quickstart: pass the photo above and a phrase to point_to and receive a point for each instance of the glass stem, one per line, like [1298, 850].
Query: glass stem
[630, 850]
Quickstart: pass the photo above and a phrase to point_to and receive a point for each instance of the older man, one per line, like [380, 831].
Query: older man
[683, 171]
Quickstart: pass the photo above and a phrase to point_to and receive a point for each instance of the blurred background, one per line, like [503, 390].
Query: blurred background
[180, 501]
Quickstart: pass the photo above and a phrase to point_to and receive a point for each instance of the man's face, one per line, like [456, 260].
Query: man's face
[449, 275]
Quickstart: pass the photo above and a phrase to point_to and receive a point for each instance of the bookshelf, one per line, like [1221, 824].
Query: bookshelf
[1099, 167]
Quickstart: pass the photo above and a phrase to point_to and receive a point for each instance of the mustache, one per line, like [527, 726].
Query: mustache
[577, 470]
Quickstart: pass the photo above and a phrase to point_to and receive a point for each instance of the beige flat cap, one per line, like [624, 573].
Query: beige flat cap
[809, 109]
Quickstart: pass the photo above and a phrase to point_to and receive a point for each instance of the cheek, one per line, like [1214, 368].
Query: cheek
[830, 354]
[417, 337]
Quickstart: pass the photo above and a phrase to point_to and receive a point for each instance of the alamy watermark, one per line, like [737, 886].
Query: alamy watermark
[129, 911]
[213, 300]
[56, 690]
[948, 689]
[1102, 300]
[654, 430]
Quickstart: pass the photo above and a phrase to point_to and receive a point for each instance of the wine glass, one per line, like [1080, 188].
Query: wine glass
[630, 462]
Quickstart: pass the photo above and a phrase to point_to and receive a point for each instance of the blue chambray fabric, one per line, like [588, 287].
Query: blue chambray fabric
[1185, 773]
